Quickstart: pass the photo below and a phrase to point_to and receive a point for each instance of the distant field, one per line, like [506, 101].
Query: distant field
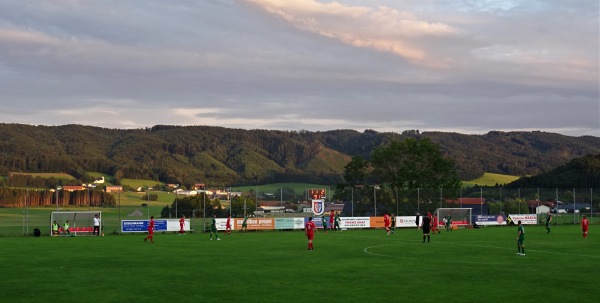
[135, 183]
[135, 198]
[47, 175]
[465, 265]
[489, 179]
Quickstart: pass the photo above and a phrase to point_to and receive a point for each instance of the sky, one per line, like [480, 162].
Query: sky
[465, 66]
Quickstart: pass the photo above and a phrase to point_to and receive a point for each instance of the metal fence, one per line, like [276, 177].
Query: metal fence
[567, 205]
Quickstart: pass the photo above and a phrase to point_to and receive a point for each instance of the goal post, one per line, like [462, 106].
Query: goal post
[81, 223]
[460, 216]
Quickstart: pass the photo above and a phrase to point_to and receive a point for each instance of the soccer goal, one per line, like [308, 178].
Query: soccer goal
[81, 223]
[460, 216]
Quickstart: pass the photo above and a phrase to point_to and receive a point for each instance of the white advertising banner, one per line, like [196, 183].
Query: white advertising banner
[490, 220]
[355, 222]
[173, 225]
[298, 223]
[525, 219]
[406, 221]
[221, 223]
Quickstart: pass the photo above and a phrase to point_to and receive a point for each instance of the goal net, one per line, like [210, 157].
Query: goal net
[460, 216]
[81, 223]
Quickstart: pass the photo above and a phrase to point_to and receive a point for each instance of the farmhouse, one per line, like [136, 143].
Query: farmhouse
[72, 188]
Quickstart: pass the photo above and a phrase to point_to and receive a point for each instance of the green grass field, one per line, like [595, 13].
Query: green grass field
[465, 265]
[135, 183]
[49, 175]
[489, 179]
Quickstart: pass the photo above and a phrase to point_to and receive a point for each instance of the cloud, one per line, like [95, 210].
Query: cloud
[388, 65]
[379, 28]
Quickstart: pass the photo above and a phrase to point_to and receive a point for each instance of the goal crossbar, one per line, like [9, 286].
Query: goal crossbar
[460, 216]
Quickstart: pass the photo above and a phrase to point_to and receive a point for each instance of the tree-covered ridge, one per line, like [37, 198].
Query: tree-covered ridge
[223, 156]
[583, 172]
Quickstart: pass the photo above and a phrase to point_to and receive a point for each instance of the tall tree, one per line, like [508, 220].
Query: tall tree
[414, 163]
[356, 171]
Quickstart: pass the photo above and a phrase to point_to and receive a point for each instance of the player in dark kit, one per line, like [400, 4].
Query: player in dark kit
[548, 221]
[309, 230]
[426, 226]
[417, 220]
[520, 239]
[213, 227]
[244, 224]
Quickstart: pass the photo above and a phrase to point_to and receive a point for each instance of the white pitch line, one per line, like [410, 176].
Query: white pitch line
[465, 244]
[366, 250]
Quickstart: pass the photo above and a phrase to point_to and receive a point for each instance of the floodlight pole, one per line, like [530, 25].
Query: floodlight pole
[148, 204]
[396, 201]
[375, 199]
[591, 204]
[519, 201]
[481, 201]
[57, 189]
[352, 195]
[418, 198]
[538, 201]
[27, 207]
[574, 220]
[119, 197]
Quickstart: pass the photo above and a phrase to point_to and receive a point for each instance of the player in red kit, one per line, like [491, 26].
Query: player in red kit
[228, 226]
[435, 226]
[386, 222]
[181, 223]
[150, 230]
[309, 230]
[584, 226]
[331, 219]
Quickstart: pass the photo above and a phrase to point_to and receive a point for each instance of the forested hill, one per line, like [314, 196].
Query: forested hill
[583, 172]
[216, 155]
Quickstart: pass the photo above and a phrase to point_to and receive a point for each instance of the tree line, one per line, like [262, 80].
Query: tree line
[20, 198]
[229, 157]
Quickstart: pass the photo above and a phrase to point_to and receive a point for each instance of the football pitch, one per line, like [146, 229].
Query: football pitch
[464, 265]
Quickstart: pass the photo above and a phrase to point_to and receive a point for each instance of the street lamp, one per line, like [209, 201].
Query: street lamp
[375, 198]
[352, 193]
[148, 204]
[57, 189]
